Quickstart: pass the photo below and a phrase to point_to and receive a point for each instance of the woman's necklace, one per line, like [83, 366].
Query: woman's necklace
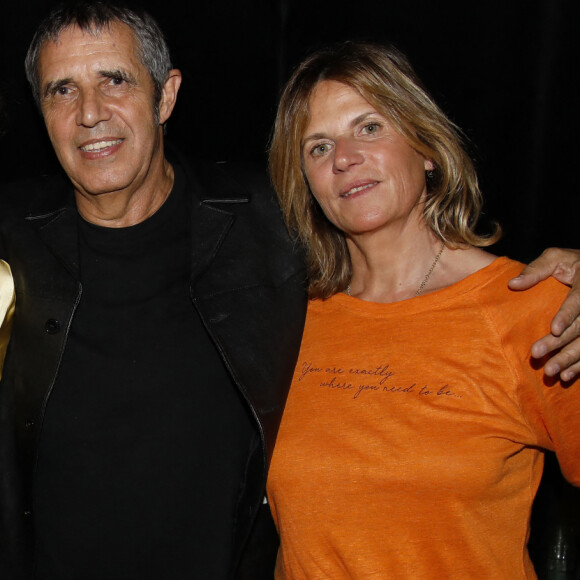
[427, 276]
[420, 289]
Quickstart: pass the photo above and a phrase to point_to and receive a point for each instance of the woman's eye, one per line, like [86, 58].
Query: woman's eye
[371, 128]
[320, 149]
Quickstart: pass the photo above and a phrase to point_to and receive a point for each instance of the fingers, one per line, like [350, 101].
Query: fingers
[569, 314]
[563, 264]
[566, 353]
[564, 340]
[571, 372]
[540, 269]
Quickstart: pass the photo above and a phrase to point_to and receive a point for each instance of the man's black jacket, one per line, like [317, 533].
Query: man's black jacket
[247, 284]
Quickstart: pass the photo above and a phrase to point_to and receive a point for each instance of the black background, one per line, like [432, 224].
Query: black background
[505, 71]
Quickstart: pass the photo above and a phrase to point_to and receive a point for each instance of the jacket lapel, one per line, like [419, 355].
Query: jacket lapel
[60, 234]
[210, 226]
[248, 287]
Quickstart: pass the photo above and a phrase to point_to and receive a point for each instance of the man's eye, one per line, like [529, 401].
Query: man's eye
[117, 81]
[61, 91]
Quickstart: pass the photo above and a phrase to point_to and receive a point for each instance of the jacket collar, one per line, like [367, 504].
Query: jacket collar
[211, 219]
[53, 210]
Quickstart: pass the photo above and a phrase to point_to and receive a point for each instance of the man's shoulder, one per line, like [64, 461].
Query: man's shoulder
[244, 190]
[246, 178]
[33, 195]
[238, 187]
[223, 179]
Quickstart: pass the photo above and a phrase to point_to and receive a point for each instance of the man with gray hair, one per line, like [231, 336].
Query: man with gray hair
[159, 314]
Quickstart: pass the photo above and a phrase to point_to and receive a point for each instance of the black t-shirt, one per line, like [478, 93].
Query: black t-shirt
[145, 438]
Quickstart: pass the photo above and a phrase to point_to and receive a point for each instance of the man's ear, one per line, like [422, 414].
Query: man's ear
[169, 95]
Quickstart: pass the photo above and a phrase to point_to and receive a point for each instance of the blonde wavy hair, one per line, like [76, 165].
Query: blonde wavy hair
[385, 78]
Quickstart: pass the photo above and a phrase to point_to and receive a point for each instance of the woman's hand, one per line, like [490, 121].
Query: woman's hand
[564, 265]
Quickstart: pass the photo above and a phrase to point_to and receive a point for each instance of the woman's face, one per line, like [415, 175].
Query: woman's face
[361, 171]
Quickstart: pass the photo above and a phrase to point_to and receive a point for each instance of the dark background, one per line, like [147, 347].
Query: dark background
[505, 71]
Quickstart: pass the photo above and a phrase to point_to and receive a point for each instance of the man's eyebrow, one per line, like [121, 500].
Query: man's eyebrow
[53, 86]
[118, 74]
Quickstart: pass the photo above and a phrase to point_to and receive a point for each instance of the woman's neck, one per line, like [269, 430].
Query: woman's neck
[390, 268]
[394, 268]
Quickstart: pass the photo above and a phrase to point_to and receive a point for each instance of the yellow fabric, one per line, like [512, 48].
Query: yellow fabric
[6, 308]
[409, 443]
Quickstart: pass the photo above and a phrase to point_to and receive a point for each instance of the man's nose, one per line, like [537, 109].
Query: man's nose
[92, 108]
[347, 153]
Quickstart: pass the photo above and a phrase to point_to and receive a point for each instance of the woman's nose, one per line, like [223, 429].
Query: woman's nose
[347, 153]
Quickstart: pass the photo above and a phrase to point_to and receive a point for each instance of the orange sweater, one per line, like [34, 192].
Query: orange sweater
[409, 447]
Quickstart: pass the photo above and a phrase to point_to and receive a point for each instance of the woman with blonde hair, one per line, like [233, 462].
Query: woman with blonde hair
[413, 437]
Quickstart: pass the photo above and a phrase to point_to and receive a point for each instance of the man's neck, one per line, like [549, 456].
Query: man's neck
[133, 205]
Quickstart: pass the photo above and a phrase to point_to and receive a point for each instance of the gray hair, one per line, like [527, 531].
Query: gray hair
[93, 17]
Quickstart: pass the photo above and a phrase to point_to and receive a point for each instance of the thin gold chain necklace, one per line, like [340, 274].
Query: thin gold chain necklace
[427, 276]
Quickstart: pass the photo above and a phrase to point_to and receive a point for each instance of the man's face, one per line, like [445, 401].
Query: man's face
[98, 105]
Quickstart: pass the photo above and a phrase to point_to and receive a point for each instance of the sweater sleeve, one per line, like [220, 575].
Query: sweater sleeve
[550, 407]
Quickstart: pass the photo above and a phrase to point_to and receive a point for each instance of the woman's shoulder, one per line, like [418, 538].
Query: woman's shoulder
[476, 278]
[529, 310]
[466, 261]
[492, 273]
[502, 269]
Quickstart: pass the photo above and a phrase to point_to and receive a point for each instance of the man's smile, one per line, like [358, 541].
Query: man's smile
[99, 145]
